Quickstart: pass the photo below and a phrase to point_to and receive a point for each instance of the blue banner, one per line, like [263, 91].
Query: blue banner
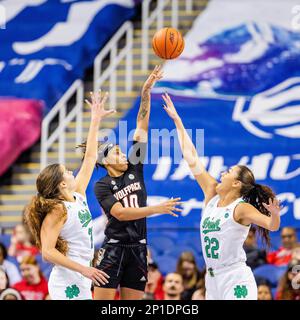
[46, 45]
[239, 82]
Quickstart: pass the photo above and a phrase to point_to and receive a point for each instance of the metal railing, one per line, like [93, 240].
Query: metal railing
[157, 16]
[64, 118]
[111, 49]
[60, 109]
[116, 56]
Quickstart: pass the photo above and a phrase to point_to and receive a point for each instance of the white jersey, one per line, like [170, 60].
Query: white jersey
[222, 237]
[78, 229]
[65, 284]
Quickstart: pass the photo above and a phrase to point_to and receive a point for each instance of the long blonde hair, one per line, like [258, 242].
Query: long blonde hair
[47, 199]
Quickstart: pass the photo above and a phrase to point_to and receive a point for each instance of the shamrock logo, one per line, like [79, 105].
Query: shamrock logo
[72, 291]
[240, 292]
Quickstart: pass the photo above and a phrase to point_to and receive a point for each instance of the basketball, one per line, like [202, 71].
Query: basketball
[168, 43]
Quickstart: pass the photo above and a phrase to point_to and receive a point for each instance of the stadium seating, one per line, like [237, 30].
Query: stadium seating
[166, 264]
[270, 272]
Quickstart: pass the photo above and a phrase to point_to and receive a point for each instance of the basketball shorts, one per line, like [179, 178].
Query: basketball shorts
[126, 264]
[235, 282]
[65, 284]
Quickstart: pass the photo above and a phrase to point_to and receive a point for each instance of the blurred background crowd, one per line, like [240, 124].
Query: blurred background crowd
[24, 275]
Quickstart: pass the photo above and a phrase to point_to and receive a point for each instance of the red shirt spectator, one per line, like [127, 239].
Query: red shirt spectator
[21, 245]
[24, 250]
[154, 286]
[33, 285]
[283, 255]
[38, 291]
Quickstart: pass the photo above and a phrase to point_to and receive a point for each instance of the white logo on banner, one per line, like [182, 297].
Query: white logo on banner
[35, 66]
[13, 7]
[272, 108]
[70, 31]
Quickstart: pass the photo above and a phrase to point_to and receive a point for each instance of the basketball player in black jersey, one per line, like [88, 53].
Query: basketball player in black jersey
[122, 195]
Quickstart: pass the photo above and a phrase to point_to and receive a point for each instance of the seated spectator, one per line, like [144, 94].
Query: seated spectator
[4, 282]
[255, 256]
[33, 286]
[264, 292]
[187, 268]
[21, 244]
[283, 255]
[154, 286]
[199, 294]
[173, 286]
[10, 294]
[11, 269]
[288, 284]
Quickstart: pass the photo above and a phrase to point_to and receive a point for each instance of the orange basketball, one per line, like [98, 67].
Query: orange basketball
[168, 43]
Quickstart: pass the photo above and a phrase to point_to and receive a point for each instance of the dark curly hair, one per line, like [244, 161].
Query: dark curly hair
[256, 195]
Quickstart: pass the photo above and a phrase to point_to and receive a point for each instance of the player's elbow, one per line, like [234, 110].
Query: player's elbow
[46, 255]
[118, 214]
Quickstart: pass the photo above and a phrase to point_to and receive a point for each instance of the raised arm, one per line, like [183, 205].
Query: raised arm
[247, 214]
[142, 122]
[50, 231]
[90, 156]
[204, 179]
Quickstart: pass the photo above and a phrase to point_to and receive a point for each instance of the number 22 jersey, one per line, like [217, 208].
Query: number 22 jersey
[222, 237]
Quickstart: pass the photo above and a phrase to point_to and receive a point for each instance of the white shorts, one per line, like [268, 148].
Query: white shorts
[235, 282]
[65, 284]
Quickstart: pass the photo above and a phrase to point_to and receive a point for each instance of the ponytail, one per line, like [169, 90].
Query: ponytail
[256, 195]
[35, 215]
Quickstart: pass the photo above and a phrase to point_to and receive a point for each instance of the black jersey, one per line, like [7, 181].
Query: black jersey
[128, 189]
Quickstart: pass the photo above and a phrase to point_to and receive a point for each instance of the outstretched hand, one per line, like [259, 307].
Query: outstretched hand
[97, 105]
[169, 206]
[273, 207]
[155, 75]
[169, 107]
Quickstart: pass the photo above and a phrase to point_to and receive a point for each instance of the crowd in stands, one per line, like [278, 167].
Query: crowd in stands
[24, 276]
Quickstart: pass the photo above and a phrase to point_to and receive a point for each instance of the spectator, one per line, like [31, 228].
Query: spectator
[10, 294]
[283, 255]
[4, 282]
[287, 289]
[11, 270]
[264, 292]
[199, 294]
[154, 286]
[187, 268]
[173, 286]
[21, 244]
[33, 286]
[255, 256]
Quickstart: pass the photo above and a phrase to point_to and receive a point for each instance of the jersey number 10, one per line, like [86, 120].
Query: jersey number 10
[131, 201]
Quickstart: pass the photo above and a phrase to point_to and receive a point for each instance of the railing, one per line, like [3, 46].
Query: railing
[116, 58]
[125, 32]
[157, 15]
[60, 110]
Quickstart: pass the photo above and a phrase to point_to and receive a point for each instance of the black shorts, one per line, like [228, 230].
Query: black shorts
[126, 264]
